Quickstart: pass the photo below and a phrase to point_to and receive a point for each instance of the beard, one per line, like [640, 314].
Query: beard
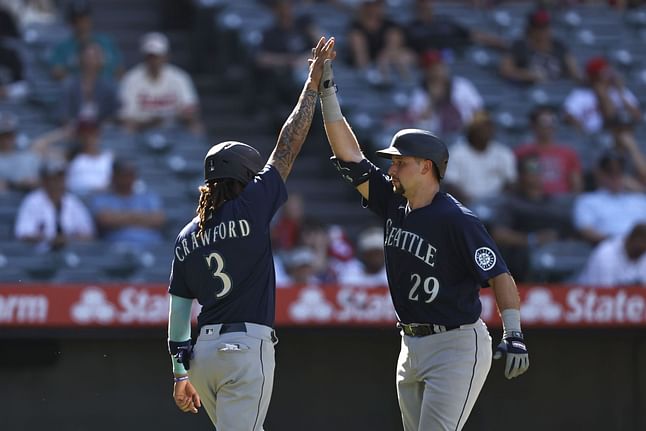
[398, 188]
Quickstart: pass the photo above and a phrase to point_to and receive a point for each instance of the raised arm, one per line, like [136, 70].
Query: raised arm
[294, 131]
[339, 134]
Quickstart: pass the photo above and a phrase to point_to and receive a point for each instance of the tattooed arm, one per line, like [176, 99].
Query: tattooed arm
[294, 131]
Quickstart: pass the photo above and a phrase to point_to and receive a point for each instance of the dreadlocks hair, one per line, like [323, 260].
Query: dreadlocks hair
[212, 195]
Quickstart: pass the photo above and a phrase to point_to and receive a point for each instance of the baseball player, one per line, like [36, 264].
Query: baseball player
[223, 258]
[438, 255]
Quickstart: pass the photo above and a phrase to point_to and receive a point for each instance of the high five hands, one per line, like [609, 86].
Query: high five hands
[324, 50]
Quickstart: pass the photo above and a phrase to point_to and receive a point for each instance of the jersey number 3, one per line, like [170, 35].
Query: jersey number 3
[216, 266]
[431, 286]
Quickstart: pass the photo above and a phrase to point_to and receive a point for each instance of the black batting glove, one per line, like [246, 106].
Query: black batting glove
[512, 346]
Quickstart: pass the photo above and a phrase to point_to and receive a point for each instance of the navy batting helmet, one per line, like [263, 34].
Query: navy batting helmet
[418, 143]
[233, 160]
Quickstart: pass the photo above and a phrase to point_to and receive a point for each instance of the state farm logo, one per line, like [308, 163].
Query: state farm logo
[93, 307]
[21, 308]
[349, 304]
[539, 306]
[311, 305]
[601, 306]
[132, 305]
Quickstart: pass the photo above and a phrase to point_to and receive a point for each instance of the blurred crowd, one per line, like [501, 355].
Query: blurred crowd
[535, 194]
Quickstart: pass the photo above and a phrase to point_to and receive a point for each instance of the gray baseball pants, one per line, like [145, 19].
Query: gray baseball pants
[439, 377]
[233, 373]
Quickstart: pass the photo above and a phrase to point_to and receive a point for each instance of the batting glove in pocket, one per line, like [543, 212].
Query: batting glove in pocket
[512, 346]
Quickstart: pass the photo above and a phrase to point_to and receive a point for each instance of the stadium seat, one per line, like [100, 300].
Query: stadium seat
[558, 260]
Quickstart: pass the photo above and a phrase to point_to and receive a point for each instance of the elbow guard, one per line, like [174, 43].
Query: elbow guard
[353, 172]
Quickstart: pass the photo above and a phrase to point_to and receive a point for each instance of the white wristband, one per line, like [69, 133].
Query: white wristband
[330, 108]
[327, 91]
[510, 320]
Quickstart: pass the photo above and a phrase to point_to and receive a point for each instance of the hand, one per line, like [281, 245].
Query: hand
[324, 51]
[186, 397]
[513, 348]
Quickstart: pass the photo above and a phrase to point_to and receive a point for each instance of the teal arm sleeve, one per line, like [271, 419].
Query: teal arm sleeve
[179, 325]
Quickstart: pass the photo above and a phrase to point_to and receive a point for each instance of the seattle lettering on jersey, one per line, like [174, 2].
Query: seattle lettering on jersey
[232, 229]
[410, 242]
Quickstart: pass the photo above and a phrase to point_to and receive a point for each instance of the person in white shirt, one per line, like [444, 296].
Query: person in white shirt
[481, 167]
[18, 168]
[90, 170]
[369, 270]
[602, 102]
[610, 210]
[50, 216]
[618, 261]
[444, 103]
[155, 93]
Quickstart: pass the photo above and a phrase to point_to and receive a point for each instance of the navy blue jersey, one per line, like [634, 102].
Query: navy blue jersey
[230, 268]
[437, 256]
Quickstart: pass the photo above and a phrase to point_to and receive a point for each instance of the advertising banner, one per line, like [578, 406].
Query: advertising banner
[142, 305]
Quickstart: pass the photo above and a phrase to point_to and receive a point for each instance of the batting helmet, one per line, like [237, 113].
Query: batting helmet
[233, 160]
[418, 143]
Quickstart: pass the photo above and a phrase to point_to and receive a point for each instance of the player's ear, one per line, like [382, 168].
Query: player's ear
[427, 166]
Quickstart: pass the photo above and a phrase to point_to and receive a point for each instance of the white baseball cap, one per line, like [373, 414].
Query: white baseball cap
[154, 43]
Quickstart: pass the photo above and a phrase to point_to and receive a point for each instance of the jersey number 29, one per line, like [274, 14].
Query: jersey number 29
[216, 266]
[431, 286]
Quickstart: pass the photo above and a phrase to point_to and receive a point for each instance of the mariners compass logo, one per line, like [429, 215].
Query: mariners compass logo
[485, 258]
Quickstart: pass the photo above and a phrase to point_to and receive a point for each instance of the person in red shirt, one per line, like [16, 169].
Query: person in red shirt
[560, 166]
[286, 230]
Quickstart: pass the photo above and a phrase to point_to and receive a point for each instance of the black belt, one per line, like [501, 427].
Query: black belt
[423, 329]
[233, 327]
[241, 327]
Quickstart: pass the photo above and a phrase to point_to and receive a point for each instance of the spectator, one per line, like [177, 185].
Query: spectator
[90, 170]
[603, 101]
[538, 57]
[444, 103]
[8, 27]
[286, 230]
[339, 246]
[300, 267]
[481, 167]
[27, 12]
[428, 31]
[560, 167]
[65, 57]
[89, 96]
[626, 145]
[282, 278]
[610, 210]
[376, 41]
[126, 216]
[528, 217]
[315, 236]
[12, 80]
[619, 261]
[284, 50]
[18, 169]
[369, 270]
[155, 93]
[51, 216]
